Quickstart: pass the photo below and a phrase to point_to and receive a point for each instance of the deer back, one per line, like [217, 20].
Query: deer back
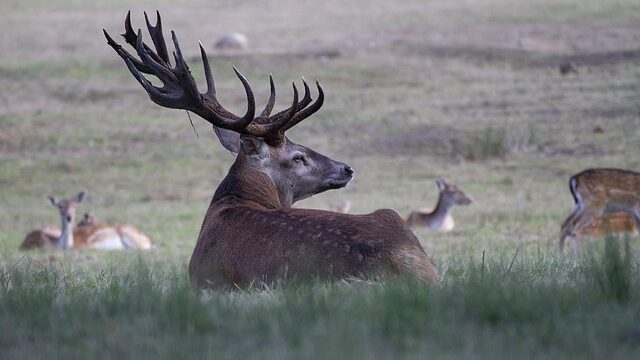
[606, 185]
[45, 237]
[241, 243]
[97, 235]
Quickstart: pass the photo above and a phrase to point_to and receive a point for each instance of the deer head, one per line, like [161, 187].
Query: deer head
[87, 220]
[259, 141]
[452, 194]
[67, 209]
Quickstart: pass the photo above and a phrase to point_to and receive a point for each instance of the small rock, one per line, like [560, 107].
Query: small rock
[232, 41]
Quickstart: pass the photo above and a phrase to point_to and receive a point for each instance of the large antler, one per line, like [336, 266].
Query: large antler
[179, 90]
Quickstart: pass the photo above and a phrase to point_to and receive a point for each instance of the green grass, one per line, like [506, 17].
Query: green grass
[527, 307]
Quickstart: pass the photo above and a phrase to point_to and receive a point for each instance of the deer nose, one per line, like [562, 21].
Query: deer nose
[347, 169]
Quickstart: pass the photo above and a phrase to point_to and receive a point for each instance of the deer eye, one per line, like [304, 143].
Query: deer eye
[299, 158]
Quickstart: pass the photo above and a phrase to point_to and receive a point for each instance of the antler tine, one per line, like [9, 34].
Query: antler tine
[157, 37]
[211, 86]
[277, 125]
[182, 72]
[209, 108]
[120, 50]
[159, 70]
[272, 99]
[160, 98]
[306, 112]
[273, 130]
[251, 102]
[299, 106]
[307, 96]
[131, 37]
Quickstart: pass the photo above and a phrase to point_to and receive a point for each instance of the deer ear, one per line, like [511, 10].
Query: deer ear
[441, 183]
[53, 200]
[79, 197]
[252, 146]
[229, 139]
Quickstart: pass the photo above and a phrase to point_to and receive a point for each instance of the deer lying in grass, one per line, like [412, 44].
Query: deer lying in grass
[45, 237]
[440, 219]
[598, 193]
[49, 235]
[250, 232]
[88, 233]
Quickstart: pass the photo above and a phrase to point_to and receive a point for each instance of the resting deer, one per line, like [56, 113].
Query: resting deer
[250, 232]
[45, 237]
[597, 194]
[88, 233]
[440, 219]
[49, 235]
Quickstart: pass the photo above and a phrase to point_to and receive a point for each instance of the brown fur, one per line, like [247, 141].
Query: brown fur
[248, 236]
[44, 238]
[615, 223]
[598, 193]
[91, 235]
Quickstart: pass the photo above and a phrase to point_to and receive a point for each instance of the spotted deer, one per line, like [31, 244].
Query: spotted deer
[597, 194]
[88, 233]
[250, 233]
[439, 218]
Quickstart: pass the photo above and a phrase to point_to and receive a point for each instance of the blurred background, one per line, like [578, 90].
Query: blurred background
[506, 98]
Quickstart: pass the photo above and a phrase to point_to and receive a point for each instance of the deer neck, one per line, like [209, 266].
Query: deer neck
[65, 241]
[248, 185]
[438, 216]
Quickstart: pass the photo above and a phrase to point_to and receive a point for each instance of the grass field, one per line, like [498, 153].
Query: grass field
[415, 90]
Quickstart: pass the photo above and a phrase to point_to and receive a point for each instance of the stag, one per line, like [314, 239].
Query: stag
[250, 233]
